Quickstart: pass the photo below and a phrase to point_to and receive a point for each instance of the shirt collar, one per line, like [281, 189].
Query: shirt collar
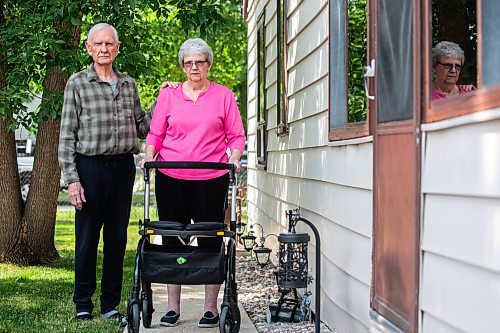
[92, 75]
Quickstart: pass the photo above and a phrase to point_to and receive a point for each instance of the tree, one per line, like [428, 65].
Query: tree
[9, 187]
[41, 48]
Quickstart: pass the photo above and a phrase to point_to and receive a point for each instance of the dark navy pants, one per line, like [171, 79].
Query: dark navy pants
[107, 181]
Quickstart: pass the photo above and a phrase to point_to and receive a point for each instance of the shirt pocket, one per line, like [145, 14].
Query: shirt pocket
[127, 104]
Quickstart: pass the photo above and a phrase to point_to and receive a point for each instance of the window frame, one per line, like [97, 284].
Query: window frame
[282, 77]
[261, 128]
[357, 129]
[476, 101]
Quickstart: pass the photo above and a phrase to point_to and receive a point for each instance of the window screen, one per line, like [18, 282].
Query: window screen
[395, 62]
[491, 42]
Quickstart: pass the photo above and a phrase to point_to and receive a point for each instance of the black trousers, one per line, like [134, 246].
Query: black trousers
[182, 200]
[108, 182]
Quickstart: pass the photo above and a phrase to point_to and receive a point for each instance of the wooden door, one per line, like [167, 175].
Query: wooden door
[396, 165]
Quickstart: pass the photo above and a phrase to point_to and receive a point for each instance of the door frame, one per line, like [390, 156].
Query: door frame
[380, 312]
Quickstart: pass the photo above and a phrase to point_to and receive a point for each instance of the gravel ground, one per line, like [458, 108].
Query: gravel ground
[256, 290]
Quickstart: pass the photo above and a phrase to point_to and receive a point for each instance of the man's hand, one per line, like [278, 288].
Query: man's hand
[76, 195]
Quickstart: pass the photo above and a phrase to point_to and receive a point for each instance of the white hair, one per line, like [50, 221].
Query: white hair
[195, 45]
[102, 26]
[447, 49]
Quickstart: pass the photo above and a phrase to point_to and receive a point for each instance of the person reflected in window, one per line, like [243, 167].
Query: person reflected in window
[447, 63]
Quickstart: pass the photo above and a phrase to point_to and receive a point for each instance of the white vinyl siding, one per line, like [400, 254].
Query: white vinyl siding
[331, 184]
[460, 269]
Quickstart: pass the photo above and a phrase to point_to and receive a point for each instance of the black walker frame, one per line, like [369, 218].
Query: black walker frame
[141, 299]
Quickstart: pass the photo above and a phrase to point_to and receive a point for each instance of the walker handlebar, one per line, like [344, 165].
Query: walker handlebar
[188, 165]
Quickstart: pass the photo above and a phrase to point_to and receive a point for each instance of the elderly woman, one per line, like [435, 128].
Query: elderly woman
[198, 120]
[447, 63]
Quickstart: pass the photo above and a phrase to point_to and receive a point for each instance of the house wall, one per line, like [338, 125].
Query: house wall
[460, 263]
[332, 184]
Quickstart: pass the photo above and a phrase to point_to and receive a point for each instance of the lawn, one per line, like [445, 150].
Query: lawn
[39, 299]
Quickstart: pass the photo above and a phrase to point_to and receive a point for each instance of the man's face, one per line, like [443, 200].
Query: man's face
[103, 47]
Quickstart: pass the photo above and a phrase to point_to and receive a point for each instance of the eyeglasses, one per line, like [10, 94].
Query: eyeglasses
[449, 66]
[197, 63]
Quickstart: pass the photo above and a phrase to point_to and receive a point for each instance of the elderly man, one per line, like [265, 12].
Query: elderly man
[101, 120]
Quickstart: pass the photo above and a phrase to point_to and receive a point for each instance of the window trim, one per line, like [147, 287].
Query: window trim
[282, 77]
[480, 100]
[358, 129]
[261, 128]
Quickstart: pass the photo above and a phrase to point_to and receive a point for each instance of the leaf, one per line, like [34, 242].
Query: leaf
[75, 20]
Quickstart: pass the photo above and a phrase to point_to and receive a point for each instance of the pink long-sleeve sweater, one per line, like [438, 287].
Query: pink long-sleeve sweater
[183, 130]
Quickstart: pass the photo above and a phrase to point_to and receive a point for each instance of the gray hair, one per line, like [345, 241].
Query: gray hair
[195, 45]
[102, 26]
[447, 49]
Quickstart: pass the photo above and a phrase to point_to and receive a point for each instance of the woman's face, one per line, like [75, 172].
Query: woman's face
[448, 70]
[196, 67]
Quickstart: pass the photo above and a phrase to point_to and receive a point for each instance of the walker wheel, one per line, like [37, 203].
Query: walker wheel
[147, 310]
[134, 320]
[230, 321]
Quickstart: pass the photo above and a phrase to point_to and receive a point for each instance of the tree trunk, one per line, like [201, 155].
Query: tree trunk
[10, 194]
[34, 236]
[38, 222]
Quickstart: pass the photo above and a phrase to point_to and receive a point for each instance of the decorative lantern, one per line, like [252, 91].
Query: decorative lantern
[292, 260]
[262, 254]
[248, 241]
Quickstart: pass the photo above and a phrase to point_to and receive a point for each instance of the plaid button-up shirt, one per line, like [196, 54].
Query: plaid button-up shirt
[99, 121]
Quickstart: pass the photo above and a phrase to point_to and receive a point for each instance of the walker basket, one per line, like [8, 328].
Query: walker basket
[191, 265]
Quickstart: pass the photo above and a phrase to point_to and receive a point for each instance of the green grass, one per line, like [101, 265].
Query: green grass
[39, 298]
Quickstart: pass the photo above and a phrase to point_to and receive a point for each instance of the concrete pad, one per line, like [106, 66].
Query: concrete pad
[192, 299]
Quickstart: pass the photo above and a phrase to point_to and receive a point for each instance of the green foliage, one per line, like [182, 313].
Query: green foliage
[36, 38]
[356, 59]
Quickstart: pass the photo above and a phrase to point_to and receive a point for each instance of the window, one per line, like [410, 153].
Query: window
[468, 28]
[281, 113]
[348, 56]
[261, 94]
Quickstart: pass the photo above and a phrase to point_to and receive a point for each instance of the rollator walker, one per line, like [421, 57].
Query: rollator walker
[188, 265]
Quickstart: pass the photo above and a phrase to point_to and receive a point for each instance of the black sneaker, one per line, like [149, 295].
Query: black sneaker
[113, 314]
[209, 320]
[169, 319]
[83, 316]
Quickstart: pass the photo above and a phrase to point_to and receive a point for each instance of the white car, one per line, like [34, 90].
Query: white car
[25, 168]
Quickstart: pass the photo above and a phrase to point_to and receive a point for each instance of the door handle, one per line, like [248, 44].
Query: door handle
[369, 72]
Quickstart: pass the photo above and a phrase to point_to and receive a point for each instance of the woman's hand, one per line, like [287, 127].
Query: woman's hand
[237, 165]
[235, 159]
[144, 160]
[467, 87]
[149, 156]
[169, 84]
